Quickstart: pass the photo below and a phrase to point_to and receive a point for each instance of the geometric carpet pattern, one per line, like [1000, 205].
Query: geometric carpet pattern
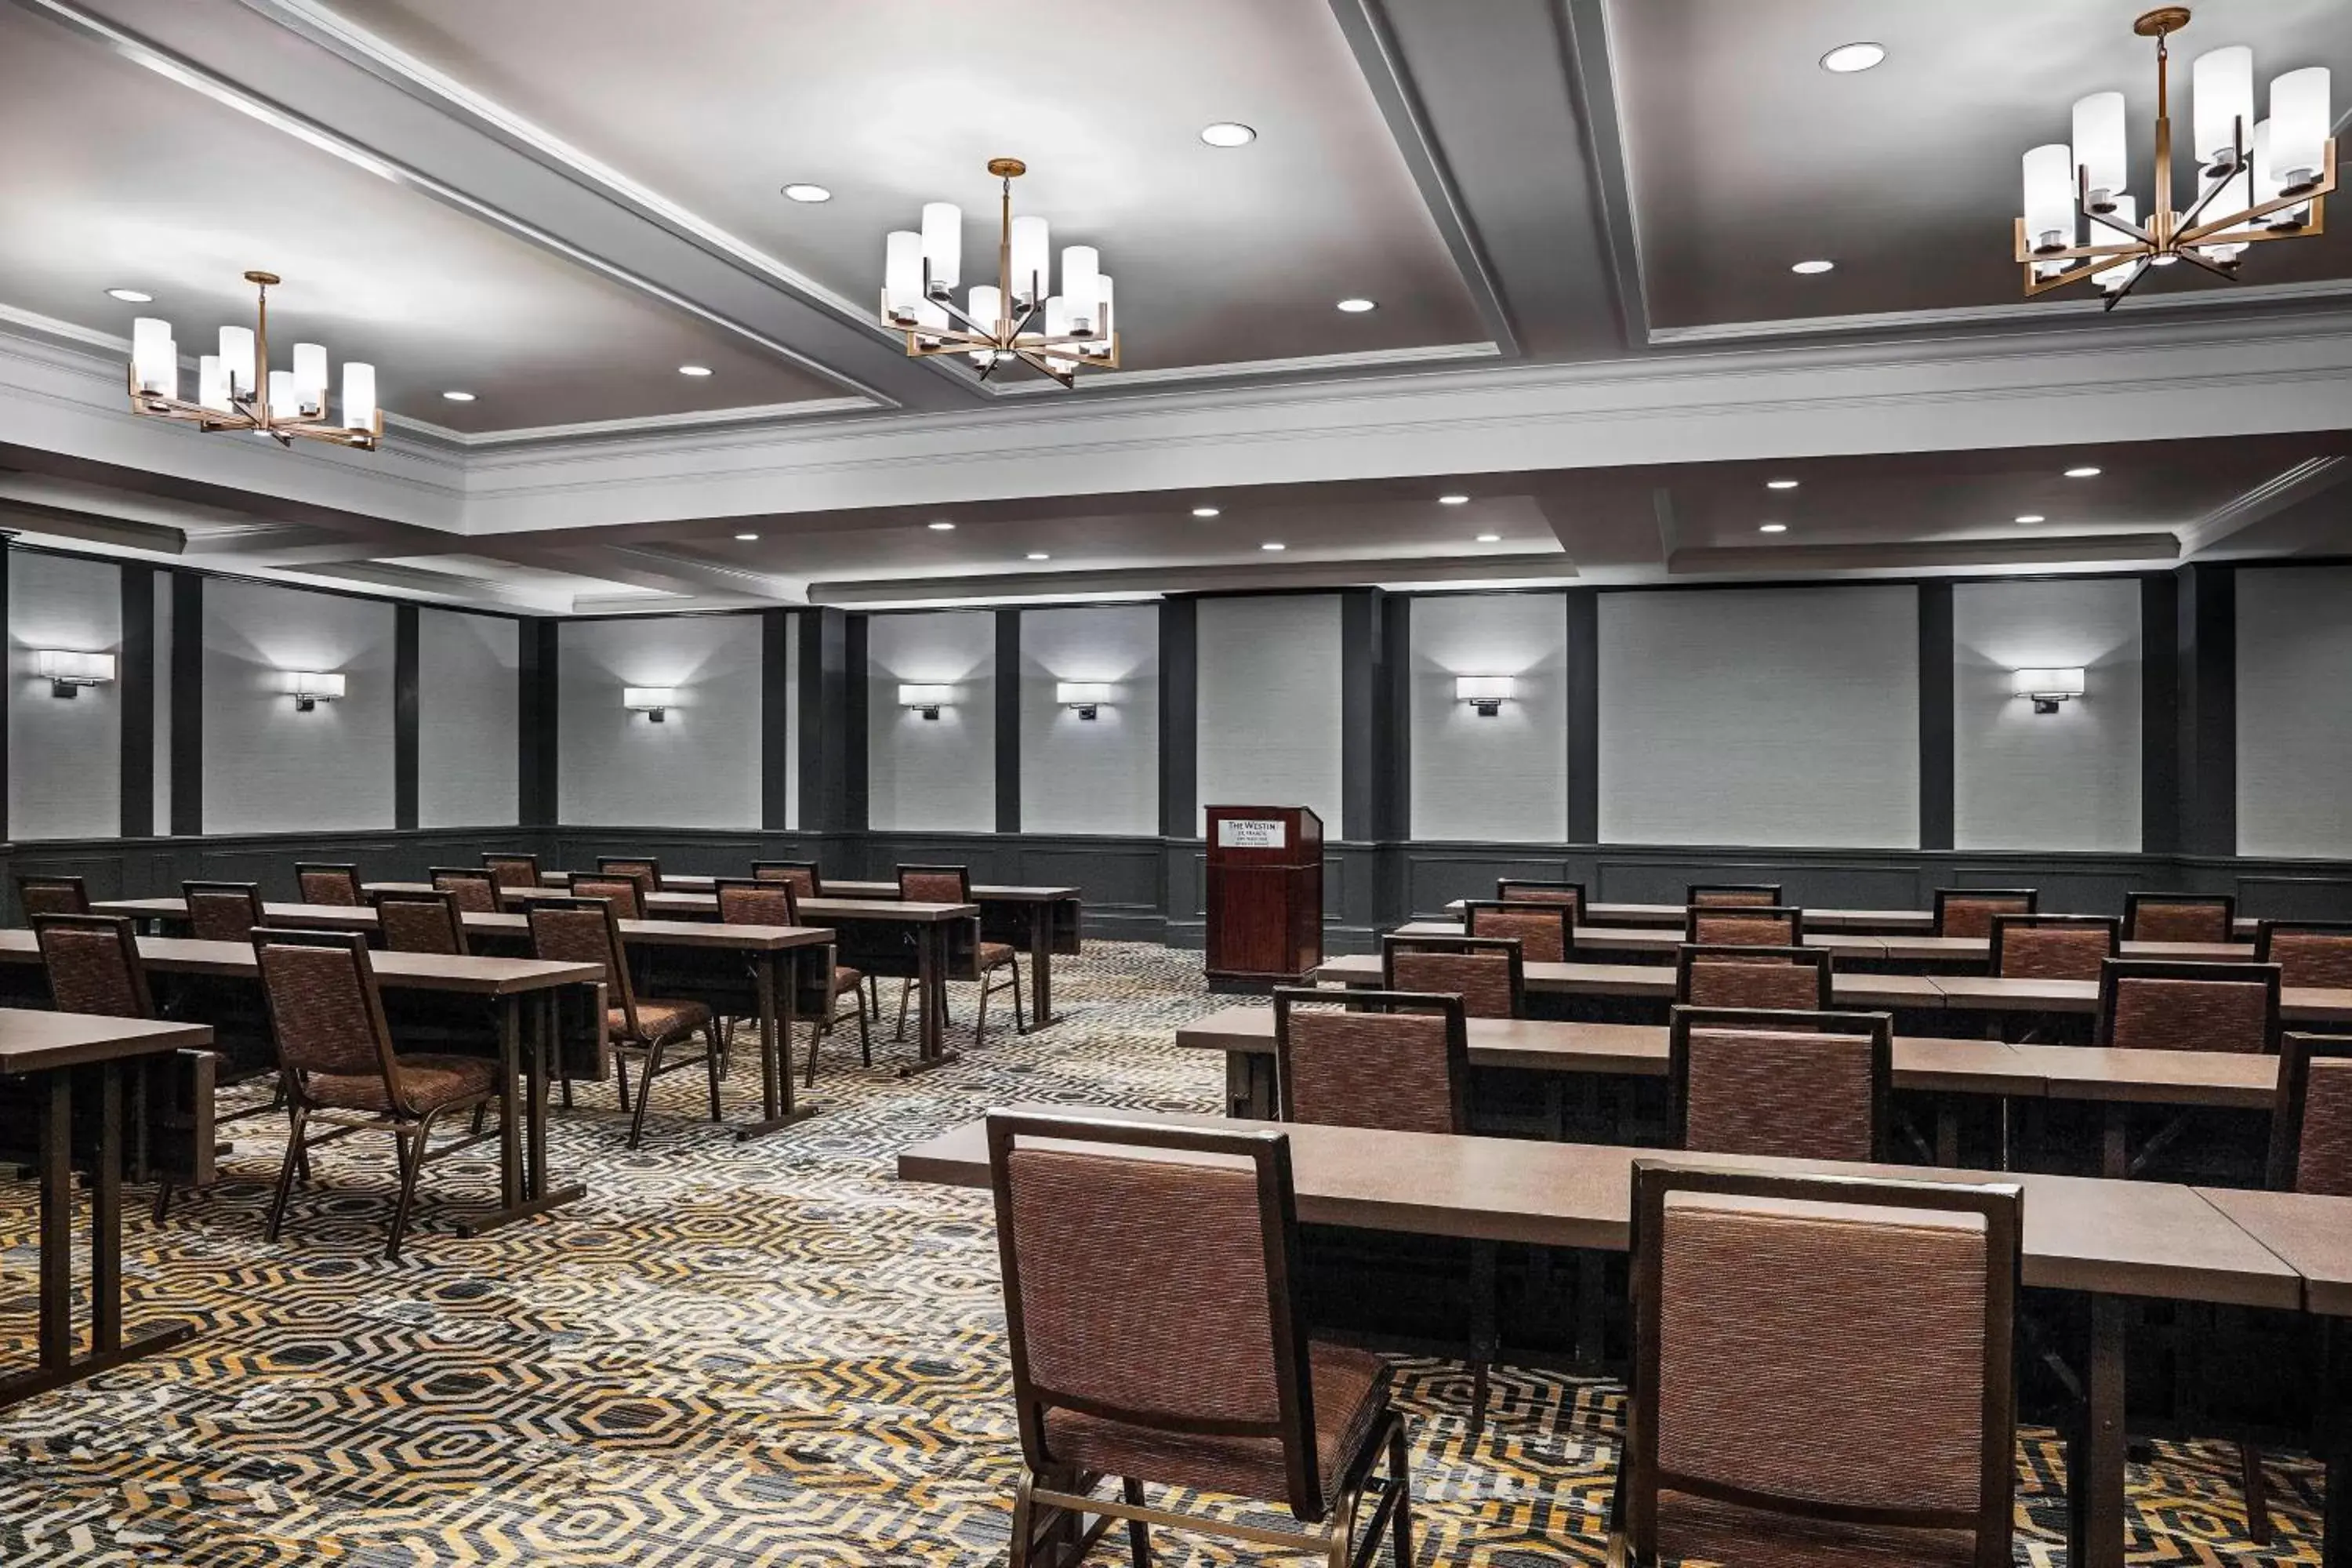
[734, 1354]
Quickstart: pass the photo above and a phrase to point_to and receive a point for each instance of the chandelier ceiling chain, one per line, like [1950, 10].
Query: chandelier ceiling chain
[2273, 179]
[1072, 329]
[237, 390]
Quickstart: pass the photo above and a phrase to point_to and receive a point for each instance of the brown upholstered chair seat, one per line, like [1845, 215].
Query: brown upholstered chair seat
[1351, 1392]
[659, 1020]
[432, 1081]
[1696, 1528]
[995, 954]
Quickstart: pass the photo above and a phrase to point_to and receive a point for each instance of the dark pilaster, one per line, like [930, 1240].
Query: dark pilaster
[1179, 651]
[406, 632]
[1935, 721]
[1008, 720]
[135, 690]
[1583, 677]
[187, 704]
[775, 718]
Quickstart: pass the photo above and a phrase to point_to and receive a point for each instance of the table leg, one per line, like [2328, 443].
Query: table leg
[1041, 965]
[106, 1216]
[931, 988]
[1948, 1131]
[2095, 1470]
[2336, 1439]
[2115, 1141]
[57, 1330]
[510, 1131]
[546, 1040]
[1249, 1085]
[775, 1057]
[522, 1141]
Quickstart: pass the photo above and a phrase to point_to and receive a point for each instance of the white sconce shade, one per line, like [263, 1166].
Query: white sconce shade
[309, 688]
[154, 360]
[2299, 123]
[2223, 83]
[943, 248]
[1033, 259]
[1081, 287]
[1085, 696]
[2050, 197]
[68, 672]
[653, 701]
[926, 699]
[2047, 688]
[311, 376]
[236, 354]
[902, 275]
[285, 403]
[2100, 147]
[1486, 693]
[359, 396]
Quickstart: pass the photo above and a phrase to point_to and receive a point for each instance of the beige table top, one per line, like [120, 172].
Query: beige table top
[1662, 941]
[834, 888]
[2312, 1235]
[417, 971]
[38, 1041]
[651, 933]
[1918, 922]
[1656, 981]
[706, 904]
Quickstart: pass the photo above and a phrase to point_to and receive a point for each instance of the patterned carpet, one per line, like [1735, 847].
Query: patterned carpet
[730, 1354]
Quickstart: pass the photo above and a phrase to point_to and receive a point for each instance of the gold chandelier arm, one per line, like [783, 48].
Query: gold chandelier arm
[2325, 187]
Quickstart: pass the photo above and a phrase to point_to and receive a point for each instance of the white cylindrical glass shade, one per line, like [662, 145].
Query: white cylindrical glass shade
[943, 247]
[2299, 125]
[212, 382]
[2235, 194]
[154, 358]
[236, 354]
[2100, 142]
[2049, 196]
[1057, 318]
[902, 275]
[987, 312]
[2046, 682]
[1033, 260]
[931, 320]
[310, 376]
[284, 402]
[2223, 83]
[359, 395]
[1081, 282]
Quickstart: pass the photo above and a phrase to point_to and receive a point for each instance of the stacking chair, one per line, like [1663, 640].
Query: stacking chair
[952, 885]
[222, 911]
[1719, 895]
[339, 1063]
[1744, 925]
[644, 869]
[2308, 953]
[805, 879]
[52, 896]
[324, 884]
[512, 868]
[2179, 917]
[588, 931]
[2053, 947]
[1823, 1372]
[1797, 1085]
[1149, 1312]
[1522, 891]
[421, 922]
[1968, 911]
[1546, 932]
[475, 893]
[1486, 972]
[752, 901]
[626, 893]
[2168, 1005]
[1797, 978]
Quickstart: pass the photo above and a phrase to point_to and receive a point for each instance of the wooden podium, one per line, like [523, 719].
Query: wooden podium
[1264, 894]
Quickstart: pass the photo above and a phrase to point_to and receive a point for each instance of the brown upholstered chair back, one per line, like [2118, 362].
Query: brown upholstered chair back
[1521, 890]
[1784, 978]
[1487, 973]
[52, 896]
[2179, 917]
[1968, 911]
[222, 911]
[935, 884]
[324, 1012]
[420, 921]
[625, 894]
[2153, 1004]
[643, 869]
[748, 901]
[476, 892]
[1820, 1349]
[1732, 895]
[512, 871]
[1546, 932]
[93, 965]
[2311, 1128]
[2053, 947]
[802, 875]
[1153, 1294]
[1393, 1059]
[1755, 925]
[1799, 1085]
[322, 884]
[2308, 953]
[586, 930]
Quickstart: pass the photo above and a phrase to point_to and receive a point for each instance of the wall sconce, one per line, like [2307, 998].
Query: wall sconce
[69, 672]
[1085, 696]
[309, 688]
[926, 699]
[1486, 693]
[2048, 688]
[653, 701]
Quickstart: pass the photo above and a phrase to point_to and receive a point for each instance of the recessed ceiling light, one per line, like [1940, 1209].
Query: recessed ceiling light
[1780, 484]
[2083, 473]
[2032, 517]
[1228, 133]
[747, 538]
[1271, 545]
[1812, 268]
[1039, 555]
[800, 193]
[130, 296]
[1772, 528]
[1356, 307]
[1490, 539]
[458, 396]
[696, 370]
[1454, 500]
[1204, 511]
[1847, 58]
[943, 526]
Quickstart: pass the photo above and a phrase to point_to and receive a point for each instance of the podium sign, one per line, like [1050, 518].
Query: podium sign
[1264, 893]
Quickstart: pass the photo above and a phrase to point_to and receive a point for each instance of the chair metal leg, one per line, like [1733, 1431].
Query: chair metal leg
[865, 1041]
[644, 1092]
[295, 1117]
[1023, 1519]
[1482, 1332]
[906, 987]
[163, 1200]
[1139, 1532]
[412, 1161]
[1401, 1473]
[980, 1025]
[1020, 1020]
[711, 1064]
[620, 1076]
[2257, 1488]
[818, 1028]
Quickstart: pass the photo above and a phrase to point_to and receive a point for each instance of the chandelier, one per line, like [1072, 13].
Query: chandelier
[2258, 183]
[237, 390]
[1017, 318]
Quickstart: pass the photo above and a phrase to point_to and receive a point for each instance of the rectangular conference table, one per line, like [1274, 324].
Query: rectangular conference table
[1660, 944]
[766, 950]
[2109, 1240]
[507, 984]
[1867, 922]
[40, 1056]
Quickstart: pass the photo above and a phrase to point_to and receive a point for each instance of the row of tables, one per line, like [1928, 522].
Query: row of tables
[1869, 922]
[1660, 942]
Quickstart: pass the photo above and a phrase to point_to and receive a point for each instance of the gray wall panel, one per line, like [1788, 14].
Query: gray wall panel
[1504, 778]
[2294, 711]
[1269, 693]
[268, 769]
[701, 766]
[65, 755]
[1101, 776]
[931, 774]
[2068, 780]
[1767, 716]
[466, 711]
